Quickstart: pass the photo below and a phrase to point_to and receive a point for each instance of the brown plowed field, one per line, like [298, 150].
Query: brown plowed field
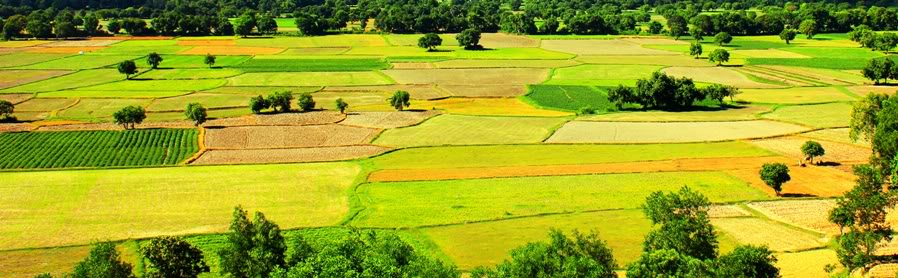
[297, 155]
[270, 137]
[284, 119]
[385, 120]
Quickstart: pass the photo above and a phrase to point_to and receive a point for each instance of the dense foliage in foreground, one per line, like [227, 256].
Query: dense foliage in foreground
[67, 149]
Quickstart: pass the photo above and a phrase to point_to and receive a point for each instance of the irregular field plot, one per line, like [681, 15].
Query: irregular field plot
[318, 41]
[86, 61]
[358, 100]
[386, 120]
[829, 52]
[513, 54]
[764, 53]
[194, 61]
[264, 156]
[424, 91]
[824, 63]
[717, 75]
[410, 204]
[822, 115]
[600, 47]
[799, 95]
[44, 104]
[806, 181]
[808, 214]
[69, 81]
[112, 94]
[468, 130]
[260, 90]
[634, 132]
[756, 231]
[487, 106]
[312, 64]
[190, 73]
[16, 98]
[158, 85]
[263, 137]
[206, 42]
[491, 91]
[520, 155]
[568, 97]
[500, 40]
[96, 148]
[673, 61]
[807, 263]
[472, 245]
[316, 51]
[828, 76]
[729, 114]
[207, 100]
[98, 109]
[143, 50]
[469, 76]
[292, 119]
[310, 79]
[835, 152]
[158, 203]
[10, 78]
[23, 59]
[17, 44]
[461, 64]
[231, 50]
[30, 263]
[865, 90]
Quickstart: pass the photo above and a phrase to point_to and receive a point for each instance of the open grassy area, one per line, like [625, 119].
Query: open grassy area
[826, 63]
[470, 130]
[194, 61]
[486, 107]
[797, 95]
[86, 61]
[206, 99]
[569, 98]
[158, 85]
[312, 64]
[411, 204]
[82, 78]
[310, 79]
[98, 109]
[190, 73]
[675, 132]
[137, 203]
[24, 59]
[822, 115]
[602, 75]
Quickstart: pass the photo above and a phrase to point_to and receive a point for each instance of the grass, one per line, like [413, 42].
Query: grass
[142, 50]
[139, 203]
[797, 95]
[260, 90]
[81, 78]
[207, 100]
[736, 113]
[148, 43]
[486, 107]
[312, 64]
[459, 64]
[310, 79]
[44, 104]
[190, 73]
[194, 61]
[98, 109]
[111, 94]
[678, 132]
[24, 59]
[830, 52]
[68, 149]
[821, 116]
[320, 41]
[570, 98]
[158, 85]
[86, 61]
[412, 204]
[514, 54]
[520, 155]
[467, 130]
[826, 63]
[601, 75]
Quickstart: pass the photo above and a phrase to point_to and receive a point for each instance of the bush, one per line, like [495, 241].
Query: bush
[341, 105]
[196, 113]
[588, 110]
[258, 103]
[659, 91]
[430, 41]
[812, 149]
[306, 102]
[129, 116]
[469, 39]
[6, 109]
[280, 101]
[400, 100]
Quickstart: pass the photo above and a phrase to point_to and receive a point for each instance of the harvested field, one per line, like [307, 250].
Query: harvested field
[207, 42]
[280, 63]
[487, 106]
[672, 61]
[317, 41]
[717, 75]
[679, 132]
[806, 181]
[272, 137]
[500, 40]
[98, 109]
[887, 270]
[30, 263]
[467, 130]
[798, 95]
[411, 65]
[601, 47]
[24, 59]
[12, 78]
[485, 90]
[808, 214]
[708, 164]
[386, 120]
[283, 119]
[81, 43]
[835, 152]
[808, 263]
[112, 94]
[513, 54]
[469, 76]
[417, 92]
[775, 236]
[865, 90]
[45, 104]
[310, 79]
[16, 98]
[17, 44]
[207, 100]
[267, 156]
[462, 64]
[157, 85]
[727, 211]
[839, 135]
[65, 50]
[231, 50]
[645, 41]
[15, 127]
[742, 113]
[820, 115]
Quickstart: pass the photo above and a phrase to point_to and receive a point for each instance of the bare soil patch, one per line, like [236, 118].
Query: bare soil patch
[726, 211]
[15, 127]
[672, 61]
[835, 152]
[865, 90]
[263, 156]
[500, 40]
[485, 90]
[269, 137]
[284, 119]
[385, 120]
[808, 214]
[16, 98]
[412, 65]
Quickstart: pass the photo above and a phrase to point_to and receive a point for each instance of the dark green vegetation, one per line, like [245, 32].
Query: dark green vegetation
[311, 65]
[775, 175]
[862, 211]
[152, 147]
[662, 91]
[569, 98]
[581, 255]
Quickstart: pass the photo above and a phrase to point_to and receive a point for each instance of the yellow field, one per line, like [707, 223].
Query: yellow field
[799, 95]
[762, 232]
[718, 75]
[730, 114]
[674, 132]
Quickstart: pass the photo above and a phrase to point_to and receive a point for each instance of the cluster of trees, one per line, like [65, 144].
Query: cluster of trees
[662, 91]
[868, 38]
[881, 70]
[278, 101]
[6, 110]
[130, 116]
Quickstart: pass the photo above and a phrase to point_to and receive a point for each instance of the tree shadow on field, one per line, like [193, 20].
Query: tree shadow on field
[797, 195]
[829, 164]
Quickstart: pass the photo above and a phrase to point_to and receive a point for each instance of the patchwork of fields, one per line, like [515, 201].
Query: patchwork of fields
[496, 147]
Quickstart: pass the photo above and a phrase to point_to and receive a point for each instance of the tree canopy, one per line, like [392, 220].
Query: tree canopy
[580, 255]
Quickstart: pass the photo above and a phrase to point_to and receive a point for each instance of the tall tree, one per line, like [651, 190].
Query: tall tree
[787, 35]
[430, 41]
[103, 261]
[695, 49]
[128, 68]
[129, 116]
[775, 175]
[808, 27]
[576, 256]
[253, 248]
[682, 222]
[307, 102]
[172, 257]
[863, 211]
[719, 56]
[245, 24]
[154, 59]
[469, 39]
[748, 261]
[723, 38]
[677, 26]
[196, 113]
[6, 109]
[400, 100]
[811, 150]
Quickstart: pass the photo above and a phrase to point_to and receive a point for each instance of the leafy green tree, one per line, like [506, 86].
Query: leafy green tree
[808, 27]
[748, 261]
[6, 109]
[655, 27]
[65, 29]
[577, 256]
[102, 261]
[310, 24]
[39, 25]
[154, 59]
[695, 49]
[586, 110]
[13, 26]
[885, 136]
[306, 102]
[341, 105]
[859, 32]
[172, 257]
[788, 35]
[812, 149]
[209, 60]
[668, 263]
[258, 103]
[469, 39]
[134, 26]
[683, 224]
[266, 24]
[196, 113]
[864, 116]
[621, 95]
[280, 101]
[723, 38]
[245, 24]
[878, 69]
[719, 92]
[128, 68]
[430, 41]
[775, 175]
[114, 26]
[696, 34]
[253, 249]
[91, 24]
[863, 211]
[129, 116]
[400, 100]
[677, 26]
[719, 56]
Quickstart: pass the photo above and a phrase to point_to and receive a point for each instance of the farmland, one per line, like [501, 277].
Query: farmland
[494, 148]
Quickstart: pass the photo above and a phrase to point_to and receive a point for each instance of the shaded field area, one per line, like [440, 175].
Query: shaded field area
[96, 148]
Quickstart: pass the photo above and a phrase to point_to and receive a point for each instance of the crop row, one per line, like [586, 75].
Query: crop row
[151, 147]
